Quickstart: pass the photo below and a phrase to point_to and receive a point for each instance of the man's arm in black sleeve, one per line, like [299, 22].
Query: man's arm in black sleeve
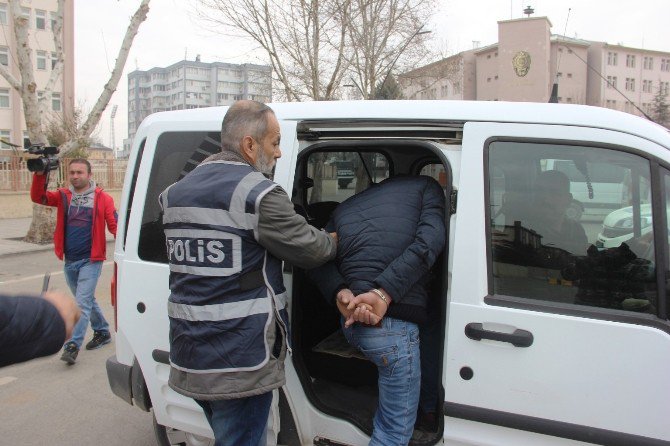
[30, 327]
[420, 255]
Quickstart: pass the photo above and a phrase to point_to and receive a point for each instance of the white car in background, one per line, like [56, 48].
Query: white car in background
[618, 226]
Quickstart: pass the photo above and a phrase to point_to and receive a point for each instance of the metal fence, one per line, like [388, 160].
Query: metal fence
[14, 175]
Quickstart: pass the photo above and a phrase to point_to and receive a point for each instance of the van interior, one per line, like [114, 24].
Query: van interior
[337, 379]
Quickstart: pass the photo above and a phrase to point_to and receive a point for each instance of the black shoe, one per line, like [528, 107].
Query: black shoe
[100, 338]
[70, 353]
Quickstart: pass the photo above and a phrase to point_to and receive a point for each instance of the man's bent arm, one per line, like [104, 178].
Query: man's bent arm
[30, 327]
[39, 194]
[420, 255]
[111, 216]
[288, 236]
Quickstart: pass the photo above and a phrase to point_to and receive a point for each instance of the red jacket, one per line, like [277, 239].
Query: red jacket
[103, 211]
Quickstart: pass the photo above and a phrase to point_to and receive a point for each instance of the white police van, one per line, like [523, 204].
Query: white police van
[541, 342]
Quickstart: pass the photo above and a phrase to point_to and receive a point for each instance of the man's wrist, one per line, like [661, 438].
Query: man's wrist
[383, 296]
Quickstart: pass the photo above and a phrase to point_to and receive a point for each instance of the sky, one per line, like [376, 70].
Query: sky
[173, 32]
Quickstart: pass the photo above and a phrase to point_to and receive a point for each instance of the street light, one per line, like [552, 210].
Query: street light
[402, 50]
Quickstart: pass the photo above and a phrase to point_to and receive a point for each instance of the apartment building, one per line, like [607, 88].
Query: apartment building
[41, 15]
[526, 62]
[193, 84]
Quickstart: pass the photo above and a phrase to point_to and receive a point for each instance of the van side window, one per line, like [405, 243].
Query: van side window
[339, 175]
[571, 225]
[435, 171]
[177, 153]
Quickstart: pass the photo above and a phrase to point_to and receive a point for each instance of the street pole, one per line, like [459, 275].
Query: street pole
[402, 50]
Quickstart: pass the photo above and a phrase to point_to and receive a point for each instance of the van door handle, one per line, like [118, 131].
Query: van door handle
[519, 338]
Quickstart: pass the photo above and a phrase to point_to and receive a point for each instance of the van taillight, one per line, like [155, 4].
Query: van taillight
[113, 294]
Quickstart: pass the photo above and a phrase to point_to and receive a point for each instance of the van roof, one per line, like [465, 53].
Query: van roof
[434, 110]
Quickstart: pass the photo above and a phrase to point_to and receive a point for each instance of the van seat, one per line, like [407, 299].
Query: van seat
[320, 212]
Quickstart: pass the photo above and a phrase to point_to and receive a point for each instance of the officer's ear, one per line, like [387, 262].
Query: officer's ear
[249, 151]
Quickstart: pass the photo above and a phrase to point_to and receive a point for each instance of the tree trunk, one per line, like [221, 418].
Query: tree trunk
[42, 225]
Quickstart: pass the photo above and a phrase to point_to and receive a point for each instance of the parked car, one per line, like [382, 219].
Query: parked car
[529, 355]
[618, 226]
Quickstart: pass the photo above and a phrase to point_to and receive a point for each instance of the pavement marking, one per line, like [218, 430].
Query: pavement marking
[7, 379]
[41, 276]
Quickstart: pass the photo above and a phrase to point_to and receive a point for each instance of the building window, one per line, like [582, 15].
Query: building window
[569, 100]
[559, 74]
[488, 56]
[560, 50]
[630, 61]
[630, 84]
[646, 86]
[4, 98]
[611, 81]
[55, 102]
[665, 64]
[665, 87]
[25, 12]
[41, 60]
[610, 103]
[4, 56]
[54, 59]
[5, 137]
[52, 19]
[488, 79]
[3, 13]
[611, 58]
[457, 88]
[569, 75]
[648, 63]
[40, 19]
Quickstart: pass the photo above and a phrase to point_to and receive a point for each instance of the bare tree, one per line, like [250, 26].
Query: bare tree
[315, 47]
[381, 32]
[35, 109]
[304, 40]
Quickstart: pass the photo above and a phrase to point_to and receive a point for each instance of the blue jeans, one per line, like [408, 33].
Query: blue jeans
[239, 422]
[394, 348]
[82, 277]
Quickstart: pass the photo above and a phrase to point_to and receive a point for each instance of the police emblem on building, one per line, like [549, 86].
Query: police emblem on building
[521, 63]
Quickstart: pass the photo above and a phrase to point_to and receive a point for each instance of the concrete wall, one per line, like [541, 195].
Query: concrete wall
[18, 204]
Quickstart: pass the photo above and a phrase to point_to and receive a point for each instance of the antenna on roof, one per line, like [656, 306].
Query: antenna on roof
[553, 98]
[528, 11]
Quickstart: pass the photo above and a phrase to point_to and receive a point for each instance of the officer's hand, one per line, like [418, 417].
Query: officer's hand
[67, 308]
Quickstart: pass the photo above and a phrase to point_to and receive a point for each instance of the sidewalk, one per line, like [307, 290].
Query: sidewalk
[12, 231]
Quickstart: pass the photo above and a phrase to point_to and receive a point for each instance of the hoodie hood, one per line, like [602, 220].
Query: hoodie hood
[84, 198]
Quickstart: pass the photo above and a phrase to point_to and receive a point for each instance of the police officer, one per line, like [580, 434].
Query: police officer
[227, 226]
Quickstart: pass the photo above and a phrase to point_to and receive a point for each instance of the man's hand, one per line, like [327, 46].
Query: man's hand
[368, 308]
[67, 308]
[344, 298]
[334, 236]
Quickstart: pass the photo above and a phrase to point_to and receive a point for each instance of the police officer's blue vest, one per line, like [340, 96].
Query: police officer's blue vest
[227, 292]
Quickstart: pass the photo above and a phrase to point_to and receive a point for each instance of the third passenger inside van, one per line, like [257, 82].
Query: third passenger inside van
[551, 199]
[389, 237]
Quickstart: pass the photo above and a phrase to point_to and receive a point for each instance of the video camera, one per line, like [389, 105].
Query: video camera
[48, 160]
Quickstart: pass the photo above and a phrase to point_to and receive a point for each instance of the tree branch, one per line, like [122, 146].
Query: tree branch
[96, 113]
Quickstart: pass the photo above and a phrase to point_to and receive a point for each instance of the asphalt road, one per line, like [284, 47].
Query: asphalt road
[46, 402]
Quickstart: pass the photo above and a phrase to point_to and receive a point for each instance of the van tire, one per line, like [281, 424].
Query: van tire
[168, 436]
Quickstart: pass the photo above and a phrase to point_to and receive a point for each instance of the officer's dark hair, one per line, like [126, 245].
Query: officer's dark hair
[244, 118]
[81, 161]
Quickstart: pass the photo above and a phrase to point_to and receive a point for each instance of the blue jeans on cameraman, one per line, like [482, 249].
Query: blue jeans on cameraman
[82, 278]
[240, 421]
[394, 349]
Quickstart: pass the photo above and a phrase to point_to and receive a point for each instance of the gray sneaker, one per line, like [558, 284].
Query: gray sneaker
[70, 353]
[100, 338]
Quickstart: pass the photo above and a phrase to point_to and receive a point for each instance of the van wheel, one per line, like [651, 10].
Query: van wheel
[168, 436]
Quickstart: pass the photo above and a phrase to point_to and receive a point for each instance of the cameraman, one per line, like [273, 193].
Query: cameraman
[80, 239]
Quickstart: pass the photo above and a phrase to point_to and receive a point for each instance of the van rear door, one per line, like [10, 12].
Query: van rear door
[548, 338]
